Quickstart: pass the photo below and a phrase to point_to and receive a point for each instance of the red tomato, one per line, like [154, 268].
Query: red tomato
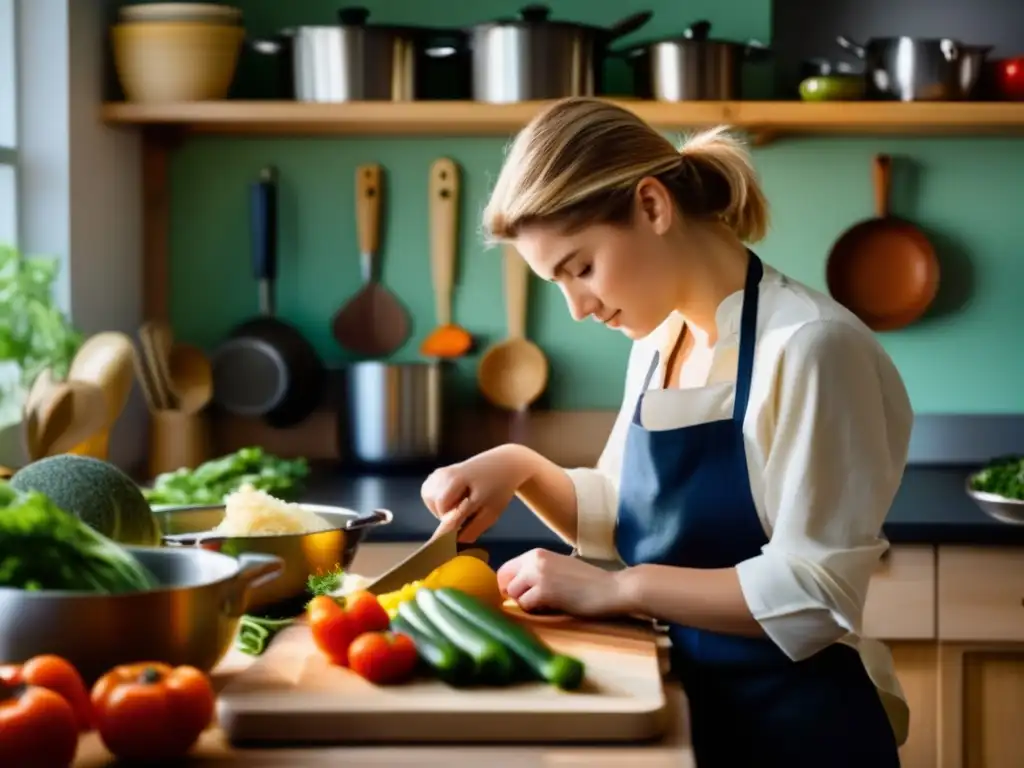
[57, 675]
[1010, 78]
[383, 658]
[37, 728]
[335, 623]
[152, 711]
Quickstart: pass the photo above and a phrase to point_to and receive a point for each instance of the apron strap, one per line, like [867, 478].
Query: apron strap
[647, 383]
[748, 337]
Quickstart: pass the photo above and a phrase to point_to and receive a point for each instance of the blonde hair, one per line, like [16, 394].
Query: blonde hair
[578, 163]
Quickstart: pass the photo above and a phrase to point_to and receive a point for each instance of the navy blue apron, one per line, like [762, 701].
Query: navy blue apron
[685, 501]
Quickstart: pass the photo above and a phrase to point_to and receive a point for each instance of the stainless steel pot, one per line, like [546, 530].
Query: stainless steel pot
[190, 619]
[533, 58]
[394, 412]
[692, 67]
[303, 554]
[918, 69]
[357, 61]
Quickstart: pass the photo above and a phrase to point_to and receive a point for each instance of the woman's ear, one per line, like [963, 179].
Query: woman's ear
[655, 205]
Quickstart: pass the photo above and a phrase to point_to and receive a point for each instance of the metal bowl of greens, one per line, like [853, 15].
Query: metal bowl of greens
[998, 489]
[67, 590]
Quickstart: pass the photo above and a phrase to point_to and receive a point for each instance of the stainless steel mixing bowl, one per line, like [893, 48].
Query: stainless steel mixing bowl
[303, 553]
[191, 618]
[1001, 508]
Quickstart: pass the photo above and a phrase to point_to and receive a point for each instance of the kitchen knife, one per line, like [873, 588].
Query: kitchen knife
[435, 553]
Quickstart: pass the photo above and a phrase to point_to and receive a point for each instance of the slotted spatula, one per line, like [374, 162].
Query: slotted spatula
[373, 323]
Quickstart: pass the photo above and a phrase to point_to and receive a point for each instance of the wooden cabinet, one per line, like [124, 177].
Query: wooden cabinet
[980, 600]
[901, 597]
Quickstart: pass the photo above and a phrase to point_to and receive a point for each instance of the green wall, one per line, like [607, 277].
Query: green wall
[964, 359]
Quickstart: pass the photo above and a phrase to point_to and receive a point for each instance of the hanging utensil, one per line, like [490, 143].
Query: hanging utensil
[373, 323]
[191, 377]
[513, 373]
[267, 368]
[883, 269]
[448, 339]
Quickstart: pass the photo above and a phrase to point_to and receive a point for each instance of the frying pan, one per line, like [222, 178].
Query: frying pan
[883, 269]
[267, 368]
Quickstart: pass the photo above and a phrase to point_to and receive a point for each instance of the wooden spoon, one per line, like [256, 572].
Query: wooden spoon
[191, 377]
[88, 417]
[373, 323]
[105, 361]
[513, 373]
[55, 414]
[151, 343]
[447, 340]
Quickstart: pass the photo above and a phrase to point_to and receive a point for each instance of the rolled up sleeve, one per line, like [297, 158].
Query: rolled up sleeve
[841, 435]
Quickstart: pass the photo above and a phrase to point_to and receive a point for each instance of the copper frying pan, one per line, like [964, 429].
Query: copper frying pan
[883, 269]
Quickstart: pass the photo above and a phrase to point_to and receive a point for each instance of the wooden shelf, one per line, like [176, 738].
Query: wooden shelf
[763, 119]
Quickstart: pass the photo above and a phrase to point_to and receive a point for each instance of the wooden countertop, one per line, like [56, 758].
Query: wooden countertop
[673, 751]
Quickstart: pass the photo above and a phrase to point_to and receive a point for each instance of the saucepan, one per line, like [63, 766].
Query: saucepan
[191, 618]
[919, 69]
[535, 57]
[303, 554]
[691, 66]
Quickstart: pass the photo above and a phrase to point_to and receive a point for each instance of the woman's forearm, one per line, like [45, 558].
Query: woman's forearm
[696, 597]
[547, 490]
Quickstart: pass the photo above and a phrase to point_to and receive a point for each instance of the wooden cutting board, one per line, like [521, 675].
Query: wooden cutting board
[293, 694]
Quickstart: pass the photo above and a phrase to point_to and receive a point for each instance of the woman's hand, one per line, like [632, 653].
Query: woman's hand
[541, 579]
[470, 496]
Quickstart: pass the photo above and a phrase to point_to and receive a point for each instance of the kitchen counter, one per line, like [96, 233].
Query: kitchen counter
[672, 751]
[931, 507]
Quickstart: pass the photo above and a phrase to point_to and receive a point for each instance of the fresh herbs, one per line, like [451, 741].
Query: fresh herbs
[43, 547]
[210, 482]
[34, 332]
[321, 583]
[1003, 477]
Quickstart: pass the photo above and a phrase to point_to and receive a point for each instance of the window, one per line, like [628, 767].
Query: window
[9, 217]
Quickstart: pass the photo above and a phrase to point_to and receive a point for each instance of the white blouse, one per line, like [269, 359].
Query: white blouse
[827, 431]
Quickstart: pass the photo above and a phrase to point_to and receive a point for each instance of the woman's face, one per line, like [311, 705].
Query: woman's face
[623, 276]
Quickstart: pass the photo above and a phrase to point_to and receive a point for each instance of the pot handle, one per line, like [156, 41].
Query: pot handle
[534, 14]
[272, 46]
[755, 50]
[699, 30]
[254, 570]
[855, 48]
[627, 26]
[377, 517]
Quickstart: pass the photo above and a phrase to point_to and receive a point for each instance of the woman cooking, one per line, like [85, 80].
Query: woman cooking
[761, 440]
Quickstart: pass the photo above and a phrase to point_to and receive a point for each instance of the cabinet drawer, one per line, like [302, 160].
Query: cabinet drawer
[374, 559]
[901, 596]
[981, 590]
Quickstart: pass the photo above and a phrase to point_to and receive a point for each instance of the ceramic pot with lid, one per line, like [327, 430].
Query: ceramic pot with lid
[533, 57]
[355, 60]
[691, 67]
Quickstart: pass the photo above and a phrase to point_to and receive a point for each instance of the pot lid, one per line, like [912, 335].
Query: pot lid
[539, 15]
[698, 32]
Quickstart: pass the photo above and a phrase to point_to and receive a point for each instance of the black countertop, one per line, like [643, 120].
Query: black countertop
[930, 508]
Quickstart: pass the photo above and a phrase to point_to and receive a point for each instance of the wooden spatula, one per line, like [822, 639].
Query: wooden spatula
[447, 339]
[373, 323]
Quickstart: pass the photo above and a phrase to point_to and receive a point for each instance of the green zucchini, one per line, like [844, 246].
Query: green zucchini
[493, 661]
[560, 670]
[412, 614]
[449, 663]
